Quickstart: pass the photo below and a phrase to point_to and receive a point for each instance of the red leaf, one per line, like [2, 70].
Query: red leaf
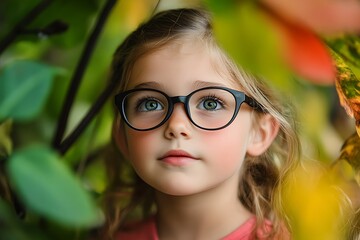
[307, 55]
[305, 52]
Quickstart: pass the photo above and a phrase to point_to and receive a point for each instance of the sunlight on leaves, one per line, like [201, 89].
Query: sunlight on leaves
[48, 187]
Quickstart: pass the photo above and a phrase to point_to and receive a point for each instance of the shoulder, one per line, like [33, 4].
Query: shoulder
[244, 231]
[145, 229]
[249, 231]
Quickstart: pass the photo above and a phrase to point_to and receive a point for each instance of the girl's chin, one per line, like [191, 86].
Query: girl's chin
[176, 191]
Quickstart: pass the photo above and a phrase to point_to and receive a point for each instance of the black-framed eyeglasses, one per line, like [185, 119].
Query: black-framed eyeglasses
[209, 108]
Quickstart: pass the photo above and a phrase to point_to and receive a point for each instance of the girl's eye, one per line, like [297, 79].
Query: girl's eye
[210, 104]
[147, 105]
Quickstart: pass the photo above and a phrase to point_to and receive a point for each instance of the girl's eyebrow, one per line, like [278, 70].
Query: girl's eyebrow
[201, 84]
[155, 85]
[197, 84]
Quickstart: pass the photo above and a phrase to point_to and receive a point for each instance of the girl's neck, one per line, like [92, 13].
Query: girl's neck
[207, 215]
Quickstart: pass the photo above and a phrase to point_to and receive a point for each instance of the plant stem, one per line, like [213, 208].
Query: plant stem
[23, 22]
[78, 74]
[66, 144]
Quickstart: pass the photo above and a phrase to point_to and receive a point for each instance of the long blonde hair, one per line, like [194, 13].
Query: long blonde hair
[262, 177]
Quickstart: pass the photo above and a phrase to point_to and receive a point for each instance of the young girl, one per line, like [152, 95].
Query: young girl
[210, 144]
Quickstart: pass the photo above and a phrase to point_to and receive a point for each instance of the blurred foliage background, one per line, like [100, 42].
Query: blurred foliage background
[49, 189]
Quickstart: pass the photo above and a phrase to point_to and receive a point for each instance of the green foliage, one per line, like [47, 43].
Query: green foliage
[5, 139]
[253, 31]
[42, 182]
[24, 87]
[50, 187]
[348, 48]
[76, 14]
[13, 229]
[47, 187]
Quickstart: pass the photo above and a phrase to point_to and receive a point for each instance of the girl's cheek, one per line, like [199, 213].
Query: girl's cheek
[141, 142]
[227, 146]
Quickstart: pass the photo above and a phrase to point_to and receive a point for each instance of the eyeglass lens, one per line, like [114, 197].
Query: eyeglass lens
[207, 108]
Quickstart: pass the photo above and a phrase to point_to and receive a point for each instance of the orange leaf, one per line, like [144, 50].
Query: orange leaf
[306, 54]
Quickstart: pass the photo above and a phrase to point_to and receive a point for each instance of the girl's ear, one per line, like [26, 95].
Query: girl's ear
[264, 134]
[119, 137]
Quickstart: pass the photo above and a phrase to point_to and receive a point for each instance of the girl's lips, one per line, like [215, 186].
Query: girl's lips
[177, 158]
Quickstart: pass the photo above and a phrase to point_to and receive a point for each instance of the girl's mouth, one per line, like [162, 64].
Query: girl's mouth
[177, 158]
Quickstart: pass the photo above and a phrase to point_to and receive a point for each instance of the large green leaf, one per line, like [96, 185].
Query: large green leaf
[48, 187]
[24, 87]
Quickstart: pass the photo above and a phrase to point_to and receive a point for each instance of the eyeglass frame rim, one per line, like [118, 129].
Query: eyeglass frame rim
[240, 98]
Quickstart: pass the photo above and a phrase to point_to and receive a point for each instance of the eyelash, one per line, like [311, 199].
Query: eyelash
[143, 99]
[215, 98]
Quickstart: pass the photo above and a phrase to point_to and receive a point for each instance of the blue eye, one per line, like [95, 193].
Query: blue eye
[210, 103]
[149, 104]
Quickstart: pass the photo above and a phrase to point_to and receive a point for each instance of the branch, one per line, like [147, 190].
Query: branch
[8, 195]
[155, 8]
[66, 144]
[79, 72]
[55, 27]
[23, 22]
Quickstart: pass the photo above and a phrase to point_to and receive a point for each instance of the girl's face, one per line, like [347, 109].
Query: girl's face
[178, 158]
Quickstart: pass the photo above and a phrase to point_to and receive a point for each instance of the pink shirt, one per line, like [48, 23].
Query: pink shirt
[146, 230]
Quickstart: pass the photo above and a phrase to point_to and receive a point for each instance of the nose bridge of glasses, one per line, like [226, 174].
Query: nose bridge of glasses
[178, 99]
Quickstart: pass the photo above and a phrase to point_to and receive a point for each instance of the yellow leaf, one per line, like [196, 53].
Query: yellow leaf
[348, 88]
[350, 152]
[315, 205]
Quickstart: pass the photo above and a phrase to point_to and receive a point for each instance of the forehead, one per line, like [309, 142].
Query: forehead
[181, 64]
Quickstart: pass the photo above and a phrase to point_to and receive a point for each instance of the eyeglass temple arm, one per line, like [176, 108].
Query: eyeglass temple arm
[254, 104]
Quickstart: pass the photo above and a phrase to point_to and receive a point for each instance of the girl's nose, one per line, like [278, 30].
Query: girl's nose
[178, 125]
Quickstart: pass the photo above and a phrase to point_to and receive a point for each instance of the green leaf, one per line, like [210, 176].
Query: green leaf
[220, 6]
[48, 187]
[24, 87]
